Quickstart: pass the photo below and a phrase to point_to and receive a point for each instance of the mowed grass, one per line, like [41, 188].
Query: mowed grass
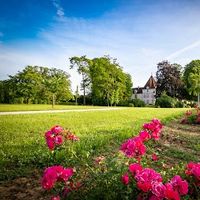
[33, 107]
[23, 148]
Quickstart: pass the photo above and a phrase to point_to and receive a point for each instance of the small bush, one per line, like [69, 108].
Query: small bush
[165, 101]
[138, 103]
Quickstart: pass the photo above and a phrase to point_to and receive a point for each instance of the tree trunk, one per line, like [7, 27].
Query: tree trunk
[84, 100]
[198, 100]
[108, 99]
[76, 100]
[53, 100]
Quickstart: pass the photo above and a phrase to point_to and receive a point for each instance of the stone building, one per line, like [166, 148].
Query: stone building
[146, 93]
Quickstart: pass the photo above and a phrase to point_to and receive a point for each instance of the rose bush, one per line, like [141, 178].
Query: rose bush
[138, 176]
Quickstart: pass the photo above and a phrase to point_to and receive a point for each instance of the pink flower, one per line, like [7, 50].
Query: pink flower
[53, 174]
[180, 185]
[170, 193]
[71, 136]
[153, 197]
[55, 198]
[196, 172]
[56, 129]
[144, 186]
[148, 175]
[134, 168]
[154, 128]
[125, 179]
[194, 169]
[158, 189]
[146, 178]
[58, 140]
[48, 134]
[154, 157]
[133, 147]
[144, 135]
[49, 178]
[66, 174]
[50, 143]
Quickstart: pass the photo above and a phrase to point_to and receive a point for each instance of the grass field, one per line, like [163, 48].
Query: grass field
[32, 107]
[23, 148]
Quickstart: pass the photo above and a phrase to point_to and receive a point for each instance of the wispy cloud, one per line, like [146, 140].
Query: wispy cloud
[183, 50]
[60, 11]
[1, 34]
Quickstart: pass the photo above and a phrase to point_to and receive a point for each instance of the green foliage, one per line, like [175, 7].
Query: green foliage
[165, 101]
[36, 85]
[138, 103]
[104, 79]
[192, 78]
[110, 84]
[168, 79]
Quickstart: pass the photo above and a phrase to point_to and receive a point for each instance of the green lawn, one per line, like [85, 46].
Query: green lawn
[32, 107]
[23, 151]
[22, 145]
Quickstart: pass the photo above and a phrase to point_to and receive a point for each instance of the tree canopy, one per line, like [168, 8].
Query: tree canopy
[168, 79]
[105, 79]
[36, 85]
[192, 78]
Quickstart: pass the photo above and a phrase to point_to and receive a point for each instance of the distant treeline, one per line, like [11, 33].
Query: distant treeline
[103, 83]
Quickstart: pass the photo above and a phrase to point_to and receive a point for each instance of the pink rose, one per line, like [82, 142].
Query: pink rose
[48, 134]
[144, 135]
[50, 143]
[125, 179]
[170, 193]
[56, 129]
[66, 174]
[144, 186]
[49, 178]
[134, 168]
[55, 198]
[58, 140]
[154, 157]
[158, 189]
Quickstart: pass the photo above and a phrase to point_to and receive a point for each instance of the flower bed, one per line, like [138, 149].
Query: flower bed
[138, 177]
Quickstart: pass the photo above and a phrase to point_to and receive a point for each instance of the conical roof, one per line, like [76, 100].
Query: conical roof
[151, 83]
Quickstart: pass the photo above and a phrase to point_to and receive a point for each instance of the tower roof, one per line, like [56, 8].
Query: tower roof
[151, 83]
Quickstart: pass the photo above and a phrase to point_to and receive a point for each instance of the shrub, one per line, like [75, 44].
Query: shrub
[192, 116]
[165, 101]
[138, 103]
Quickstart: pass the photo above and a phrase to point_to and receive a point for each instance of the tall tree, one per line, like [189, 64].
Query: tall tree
[168, 79]
[192, 78]
[82, 64]
[57, 84]
[109, 83]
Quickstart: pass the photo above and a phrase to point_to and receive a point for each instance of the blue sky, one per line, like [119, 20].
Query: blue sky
[139, 33]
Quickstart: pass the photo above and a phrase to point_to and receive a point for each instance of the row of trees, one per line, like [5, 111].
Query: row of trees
[103, 83]
[36, 85]
[178, 82]
[103, 78]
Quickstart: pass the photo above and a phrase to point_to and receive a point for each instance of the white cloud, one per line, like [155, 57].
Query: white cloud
[60, 11]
